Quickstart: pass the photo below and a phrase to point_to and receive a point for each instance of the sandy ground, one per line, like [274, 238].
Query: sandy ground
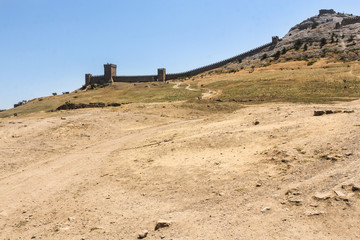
[111, 173]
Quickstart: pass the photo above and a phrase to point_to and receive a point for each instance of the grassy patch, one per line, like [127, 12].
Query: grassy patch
[292, 84]
[118, 92]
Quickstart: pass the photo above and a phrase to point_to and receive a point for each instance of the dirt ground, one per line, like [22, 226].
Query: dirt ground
[271, 171]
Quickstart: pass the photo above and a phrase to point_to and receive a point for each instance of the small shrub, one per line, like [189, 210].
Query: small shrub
[54, 93]
[322, 42]
[277, 55]
[264, 56]
[298, 44]
[310, 63]
[284, 50]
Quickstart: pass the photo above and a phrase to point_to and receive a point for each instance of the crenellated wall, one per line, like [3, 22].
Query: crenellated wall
[149, 78]
[110, 69]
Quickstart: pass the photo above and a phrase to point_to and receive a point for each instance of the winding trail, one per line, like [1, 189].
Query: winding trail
[204, 95]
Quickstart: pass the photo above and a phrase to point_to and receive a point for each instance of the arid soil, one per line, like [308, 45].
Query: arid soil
[271, 171]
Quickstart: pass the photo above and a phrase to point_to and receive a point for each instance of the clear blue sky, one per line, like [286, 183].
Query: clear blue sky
[47, 46]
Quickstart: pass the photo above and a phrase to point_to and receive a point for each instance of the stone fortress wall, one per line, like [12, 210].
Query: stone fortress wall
[110, 69]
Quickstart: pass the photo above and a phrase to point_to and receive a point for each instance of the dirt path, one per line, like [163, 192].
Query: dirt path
[208, 94]
[219, 177]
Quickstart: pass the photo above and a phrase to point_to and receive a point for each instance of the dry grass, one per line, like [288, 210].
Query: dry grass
[322, 82]
[118, 92]
[289, 82]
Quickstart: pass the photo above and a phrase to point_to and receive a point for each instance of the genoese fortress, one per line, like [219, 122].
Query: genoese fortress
[110, 69]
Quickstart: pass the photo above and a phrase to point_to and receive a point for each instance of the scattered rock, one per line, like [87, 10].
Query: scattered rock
[265, 209]
[351, 186]
[62, 118]
[340, 194]
[314, 213]
[295, 201]
[319, 113]
[143, 234]
[256, 122]
[349, 111]
[331, 157]
[71, 219]
[348, 154]
[162, 224]
[322, 196]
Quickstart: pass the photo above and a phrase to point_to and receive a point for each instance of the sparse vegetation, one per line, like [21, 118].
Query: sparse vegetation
[310, 63]
[298, 44]
[277, 55]
[323, 42]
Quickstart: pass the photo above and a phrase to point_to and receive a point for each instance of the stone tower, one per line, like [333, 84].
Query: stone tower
[88, 77]
[162, 74]
[109, 71]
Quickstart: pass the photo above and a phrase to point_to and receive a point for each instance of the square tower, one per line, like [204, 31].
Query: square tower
[109, 71]
[161, 74]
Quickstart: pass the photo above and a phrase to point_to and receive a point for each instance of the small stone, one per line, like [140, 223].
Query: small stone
[162, 224]
[256, 122]
[62, 118]
[348, 154]
[295, 201]
[71, 219]
[221, 194]
[329, 112]
[265, 209]
[162, 236]
[331, 157]
[322, 196]
[349, 111]
[314, 213]
[319, 113]
[351, 187]
[339, 193]
[143, 234]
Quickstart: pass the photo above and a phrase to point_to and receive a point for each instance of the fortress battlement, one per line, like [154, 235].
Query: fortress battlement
[110, 69]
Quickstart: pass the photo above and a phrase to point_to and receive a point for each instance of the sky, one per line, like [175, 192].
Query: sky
[47, 46]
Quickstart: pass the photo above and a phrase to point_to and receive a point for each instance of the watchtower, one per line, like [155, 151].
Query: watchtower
[109, 71]
[88, 79]
[275, 40]
[162, 74]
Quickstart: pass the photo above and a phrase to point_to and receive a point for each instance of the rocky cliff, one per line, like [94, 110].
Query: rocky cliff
[329, 34]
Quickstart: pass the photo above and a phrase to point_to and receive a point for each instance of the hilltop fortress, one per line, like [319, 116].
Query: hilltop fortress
[110, 69]
[325, 18]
